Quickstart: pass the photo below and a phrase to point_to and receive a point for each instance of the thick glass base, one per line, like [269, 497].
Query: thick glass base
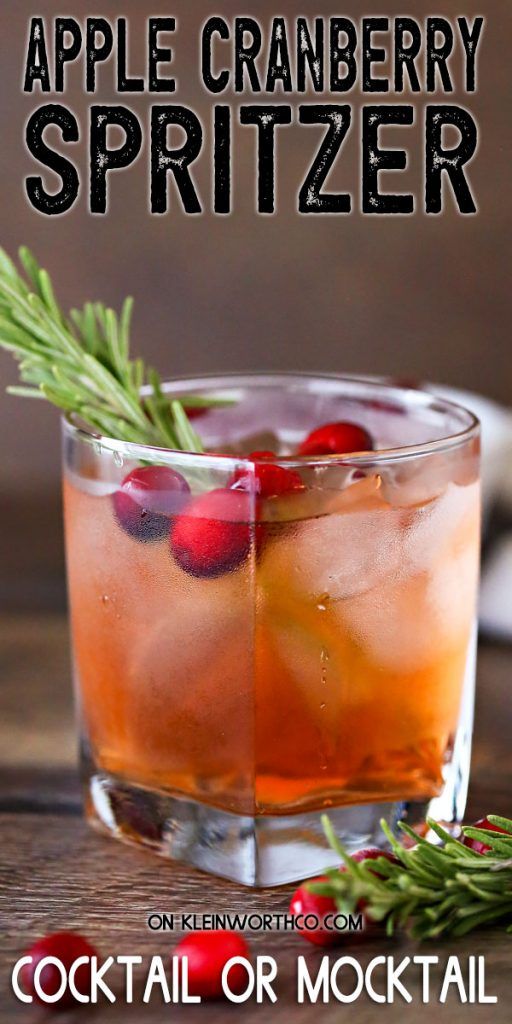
[259, 851]
[268, 850]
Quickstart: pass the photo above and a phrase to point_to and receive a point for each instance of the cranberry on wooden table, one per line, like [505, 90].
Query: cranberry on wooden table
[373, 853]
[306, 902]
[147, 499]
[340, 438]
[207, 953]
[66, 947]
[193, 412]
[476, 844]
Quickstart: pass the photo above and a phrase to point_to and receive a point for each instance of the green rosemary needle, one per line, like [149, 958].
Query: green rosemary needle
[432, 890]
[82, 363]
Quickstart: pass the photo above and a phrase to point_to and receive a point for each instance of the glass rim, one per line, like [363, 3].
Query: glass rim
[414, 398]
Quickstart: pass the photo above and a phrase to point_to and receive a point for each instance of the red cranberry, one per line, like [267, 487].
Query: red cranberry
[213, 535]
[306, 902]
[266, 479]
[207, 953]
[66, 947]
[372, 853]
[476, 844]
[337, 439]
[147, 498]
[193, 412]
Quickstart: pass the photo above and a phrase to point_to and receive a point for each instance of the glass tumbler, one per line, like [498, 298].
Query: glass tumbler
[247, 662]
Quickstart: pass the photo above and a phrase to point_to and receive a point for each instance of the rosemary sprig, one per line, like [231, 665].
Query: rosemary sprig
[433, 890]
[82, 363]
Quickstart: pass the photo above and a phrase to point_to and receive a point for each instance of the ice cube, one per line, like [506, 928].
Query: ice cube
[95, 486]
[189, 682]
[339, 554]
[202, 624]
[261, 441]
[451, 520]
[406, 624]
[411, 484]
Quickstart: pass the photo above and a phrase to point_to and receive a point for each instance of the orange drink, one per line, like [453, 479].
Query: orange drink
[260, 639]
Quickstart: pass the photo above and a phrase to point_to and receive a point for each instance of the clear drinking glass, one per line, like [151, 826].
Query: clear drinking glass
[324, 663]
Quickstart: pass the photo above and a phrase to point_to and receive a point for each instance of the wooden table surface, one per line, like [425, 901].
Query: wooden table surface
[58, 873]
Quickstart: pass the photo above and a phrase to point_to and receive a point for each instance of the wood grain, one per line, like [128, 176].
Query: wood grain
[55, 872]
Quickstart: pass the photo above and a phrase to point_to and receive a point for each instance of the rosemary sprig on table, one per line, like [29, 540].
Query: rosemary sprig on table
[82, 363]
[433, 890]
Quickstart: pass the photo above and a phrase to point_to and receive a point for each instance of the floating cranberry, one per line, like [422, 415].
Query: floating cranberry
[146, 500]
[476, 844]
[337, 439]
[265, 478]
[207, 954]
[66, 947]
[213, 534]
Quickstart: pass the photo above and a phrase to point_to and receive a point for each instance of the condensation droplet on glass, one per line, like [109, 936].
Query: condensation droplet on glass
[105, 599]
[118, 459]
[323, 707]
[324, 658]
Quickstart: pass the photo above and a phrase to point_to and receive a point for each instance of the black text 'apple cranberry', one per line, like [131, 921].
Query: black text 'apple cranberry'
[476, 844]
[213, 534]
[207, 954]
[265, 478]
[146, 500]
[337, 439]
[66, 947]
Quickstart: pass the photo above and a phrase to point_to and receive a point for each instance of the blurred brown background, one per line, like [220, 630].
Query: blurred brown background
[421, 296]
